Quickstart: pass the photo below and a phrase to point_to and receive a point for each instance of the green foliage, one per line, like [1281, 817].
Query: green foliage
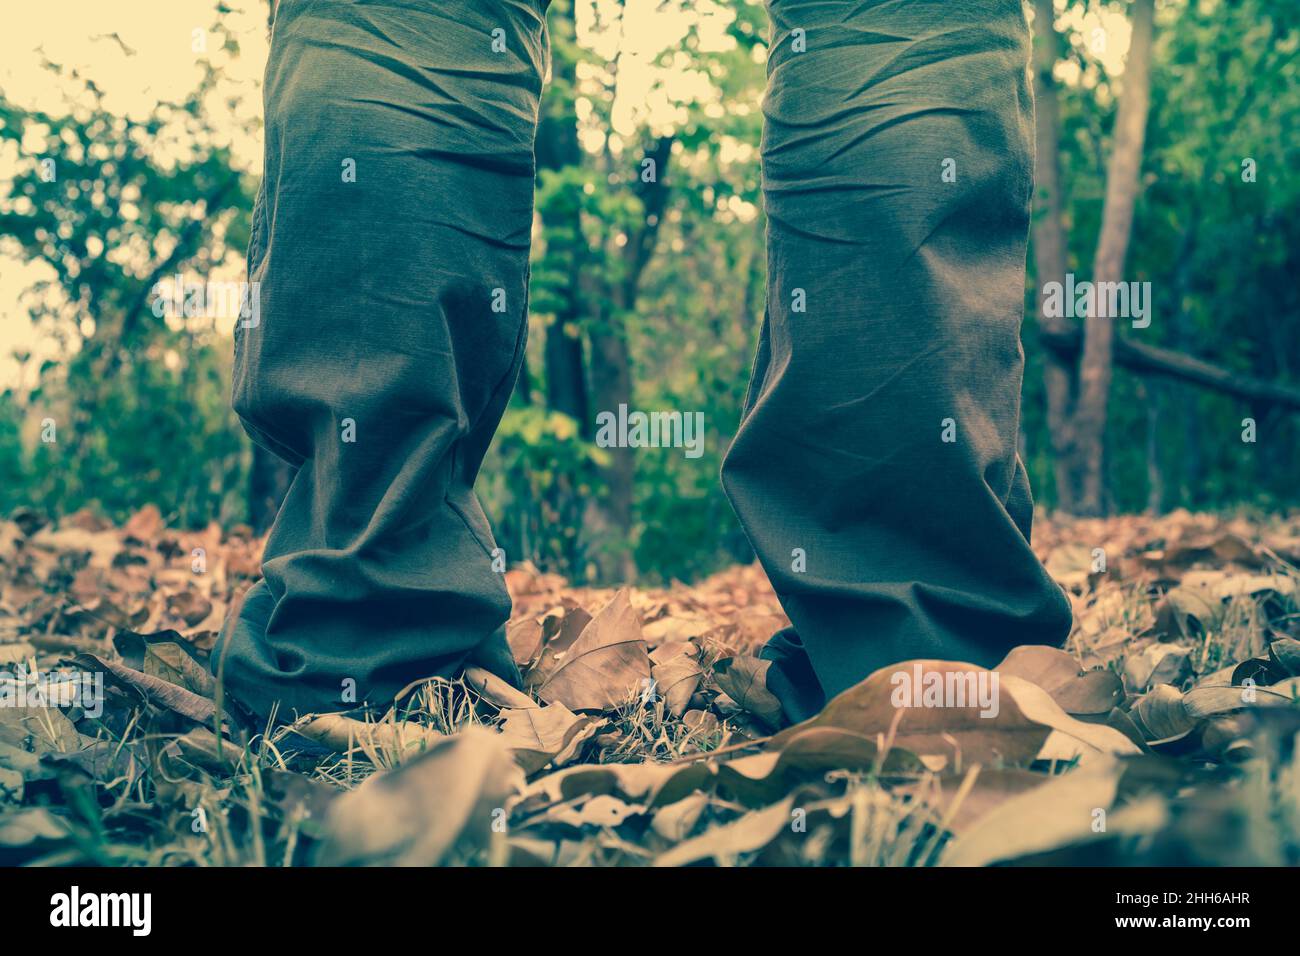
[1220, 254]
[141, 402]
[538, 475]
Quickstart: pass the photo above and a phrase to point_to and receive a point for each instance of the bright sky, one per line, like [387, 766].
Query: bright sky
[142, 51]
[159, 62]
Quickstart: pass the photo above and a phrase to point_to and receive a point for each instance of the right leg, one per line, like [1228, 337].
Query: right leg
[875, 470]
[390, 242]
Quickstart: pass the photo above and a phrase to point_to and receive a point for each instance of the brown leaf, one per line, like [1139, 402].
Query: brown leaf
[1061, 811]
[145, 525]
[18, 653]
[676, 821]
[559, 631]
[1156, 664]
[1094, 692]
[154, 689]
[751, 832]
[601, 810]
[1285, 653]
[1161, 716]
[190, 606]
[525, 639]
[605, 665]
[676, 680]
[101, 546]
[990, 788]
[1010, 729]
[384, 743]
[808, 755]
[744, 680]
[176, 664]
[675, 629]
[1210, 701]
[496, 690]
[38, 729]
[541, 734]
[650, 784]
[441, 804]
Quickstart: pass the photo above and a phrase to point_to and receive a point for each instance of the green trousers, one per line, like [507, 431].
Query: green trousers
[875, 470]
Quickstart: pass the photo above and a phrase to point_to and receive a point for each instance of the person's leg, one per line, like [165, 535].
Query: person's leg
[390, 242]
[875, 470]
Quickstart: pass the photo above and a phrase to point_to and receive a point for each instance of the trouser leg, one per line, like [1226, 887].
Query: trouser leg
[875, 470]
[390, 245]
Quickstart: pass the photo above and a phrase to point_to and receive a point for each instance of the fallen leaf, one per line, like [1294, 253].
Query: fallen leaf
[1011, 730]
[751, 832]
[675, 821]
[145, 525]
[178, 665]
[1061, 811]
[605, 665]
[744, 680]
[808, 755]
[38, 729]
[1156, 664]
[1161, 716]
[496, 691]
[539, 735]
[1093, 692]
[441, 804]
[525, 639]
[649, 784]
[601, 810]
[384, 742]
[154, 689]
[676, 681]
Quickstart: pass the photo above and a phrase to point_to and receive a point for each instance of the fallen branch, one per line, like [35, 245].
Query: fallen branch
[1154, 360]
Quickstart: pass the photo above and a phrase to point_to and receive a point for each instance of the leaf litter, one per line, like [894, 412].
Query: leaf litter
[646, 734]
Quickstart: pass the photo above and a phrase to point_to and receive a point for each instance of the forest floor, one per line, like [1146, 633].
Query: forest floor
[1164, 732]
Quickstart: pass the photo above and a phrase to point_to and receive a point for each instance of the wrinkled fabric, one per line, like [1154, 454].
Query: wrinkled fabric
[395, 306]
[894, 308]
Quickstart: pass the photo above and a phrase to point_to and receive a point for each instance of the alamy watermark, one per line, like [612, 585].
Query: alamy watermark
[1107, 300]
[651, 430]
[177, 297]
[53, 689]
[75, 908]
[945, 688]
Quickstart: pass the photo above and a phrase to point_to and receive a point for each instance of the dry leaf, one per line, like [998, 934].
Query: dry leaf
[1061, 811]
[1094, 692]
[538, 735]
[676, 681]
[1012, 732]
[1161, 716]
[605, 665]
[751, 832]
[154, 689]
[744, 680]
[385, 742]
[525, 639]
[441, 804]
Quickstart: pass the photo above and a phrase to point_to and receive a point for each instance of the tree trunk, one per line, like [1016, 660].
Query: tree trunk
[1096, 367]
[557, 148]
[1051, 250]
[610, 516]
